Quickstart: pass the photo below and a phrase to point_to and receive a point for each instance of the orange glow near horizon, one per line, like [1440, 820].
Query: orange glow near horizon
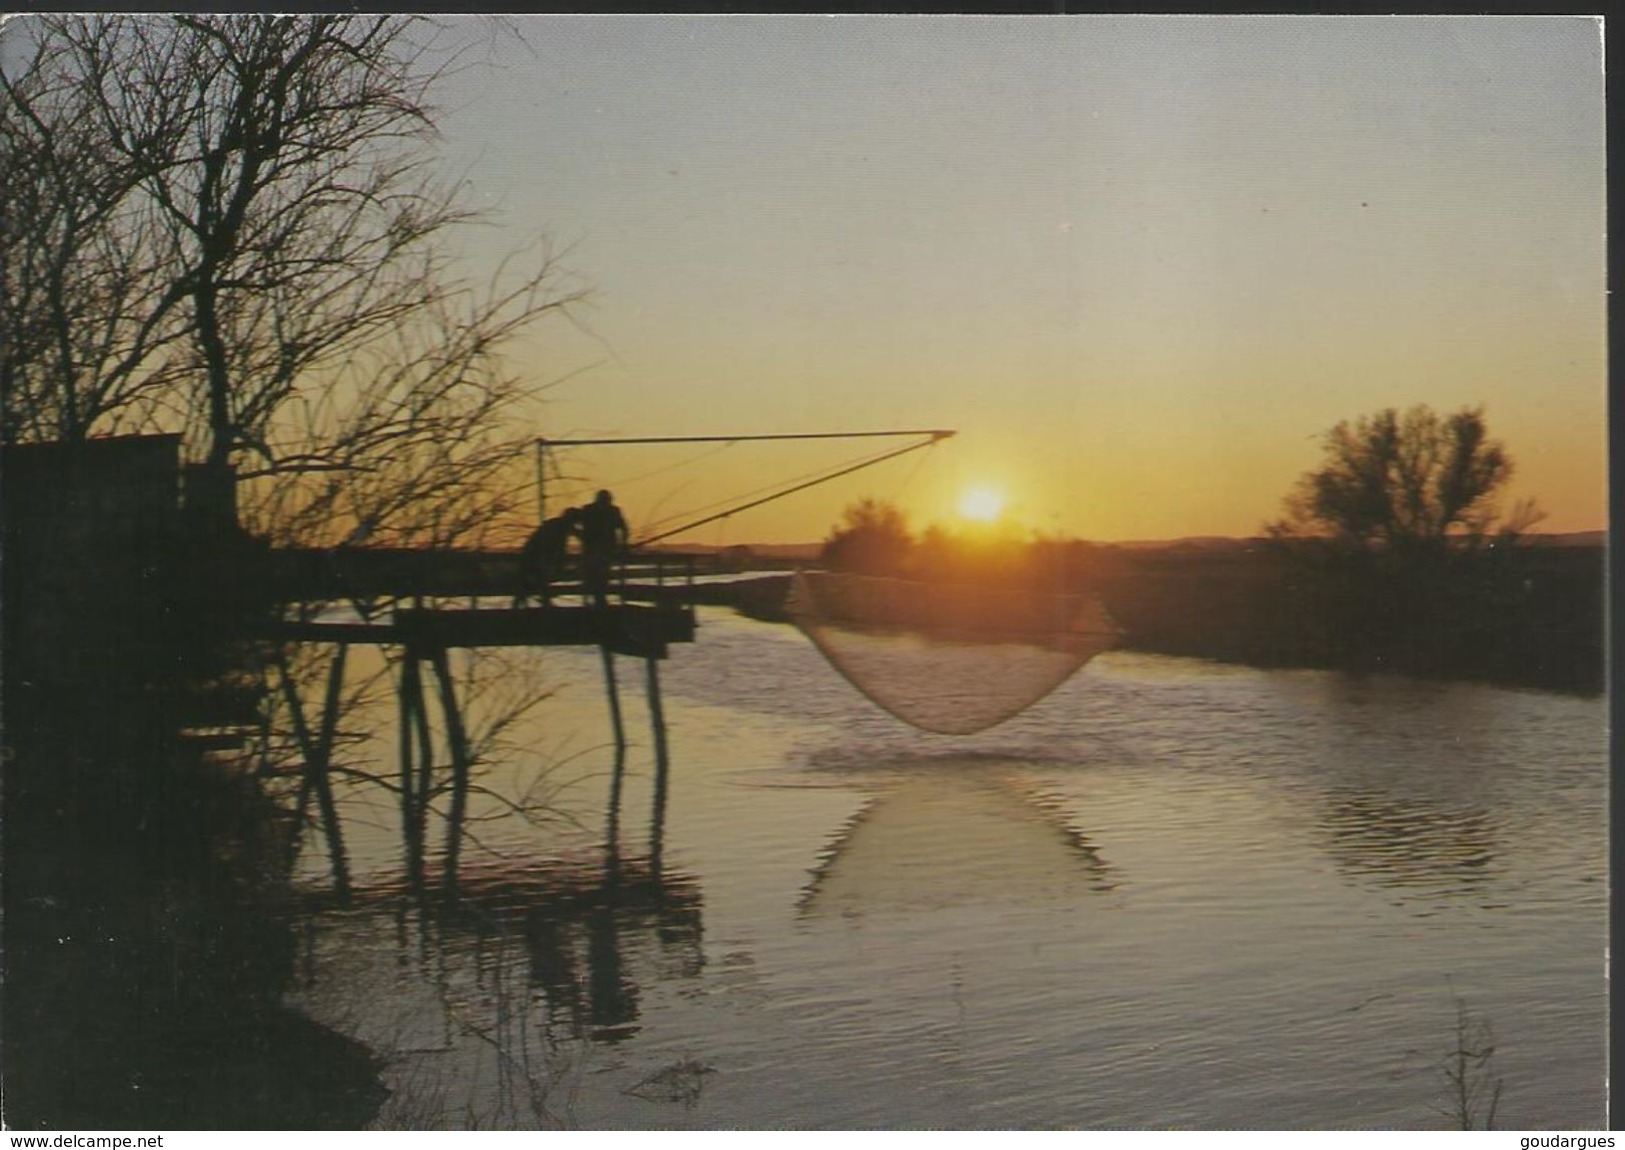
[1164, 324]
[1105, 489]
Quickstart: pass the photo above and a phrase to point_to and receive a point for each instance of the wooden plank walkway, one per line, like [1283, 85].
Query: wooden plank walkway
[295, 574]
[636, 629]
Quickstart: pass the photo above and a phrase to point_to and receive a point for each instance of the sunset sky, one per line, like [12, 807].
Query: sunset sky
[1138, 263]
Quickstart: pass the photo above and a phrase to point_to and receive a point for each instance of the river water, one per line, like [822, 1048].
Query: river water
[1173, 894]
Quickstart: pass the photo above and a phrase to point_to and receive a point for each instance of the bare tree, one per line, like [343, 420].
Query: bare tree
[87, 312]
[231, 226]
[1399, 547]
[235, 227]
[1468, 1069]
[1408, 481]
[419, 439]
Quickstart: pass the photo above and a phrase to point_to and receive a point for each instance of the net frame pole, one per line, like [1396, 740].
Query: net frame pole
[541, 480]
[934, 433]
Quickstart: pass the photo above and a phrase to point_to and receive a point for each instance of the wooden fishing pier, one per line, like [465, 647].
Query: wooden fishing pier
[122, 528]
[425, 636]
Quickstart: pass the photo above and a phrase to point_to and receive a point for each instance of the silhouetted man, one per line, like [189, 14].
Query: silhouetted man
[603, 536]
[547, 551]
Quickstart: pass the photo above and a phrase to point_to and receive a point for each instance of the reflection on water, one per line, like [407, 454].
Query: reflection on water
[948, 834]
[1406, 843]
[481, 1005]
[590, 936]
[1171, 895]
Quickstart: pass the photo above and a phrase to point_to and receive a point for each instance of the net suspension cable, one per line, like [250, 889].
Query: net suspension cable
[943, 657]
[927, 438]
[656, 523]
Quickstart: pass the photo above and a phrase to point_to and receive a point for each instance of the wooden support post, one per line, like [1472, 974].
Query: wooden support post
[458, 743]
[317, 754]
[657, 720]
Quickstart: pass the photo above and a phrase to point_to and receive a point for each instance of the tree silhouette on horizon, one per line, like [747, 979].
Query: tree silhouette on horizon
[1406, 481]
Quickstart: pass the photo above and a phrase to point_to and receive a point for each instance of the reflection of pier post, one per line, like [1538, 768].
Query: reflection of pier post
[416, 768]
[614, 696]
[457, 741]
[318, 752]
[657, 721]
[612, 832]
[425, 781]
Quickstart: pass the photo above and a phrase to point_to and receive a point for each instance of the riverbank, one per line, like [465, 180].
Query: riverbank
[1532, 617]
[148, 945]
[1527, 617]
[146, 874]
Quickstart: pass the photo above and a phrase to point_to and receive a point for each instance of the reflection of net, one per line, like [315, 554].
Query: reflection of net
[948, 658]
[951, 836]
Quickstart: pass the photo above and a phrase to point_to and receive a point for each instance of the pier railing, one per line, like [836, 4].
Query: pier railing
[301, 574]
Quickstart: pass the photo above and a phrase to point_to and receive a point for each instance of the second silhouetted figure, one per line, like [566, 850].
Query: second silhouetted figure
[604, 535]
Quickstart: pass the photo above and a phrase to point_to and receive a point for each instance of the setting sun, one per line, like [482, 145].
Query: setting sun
[981, 503]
